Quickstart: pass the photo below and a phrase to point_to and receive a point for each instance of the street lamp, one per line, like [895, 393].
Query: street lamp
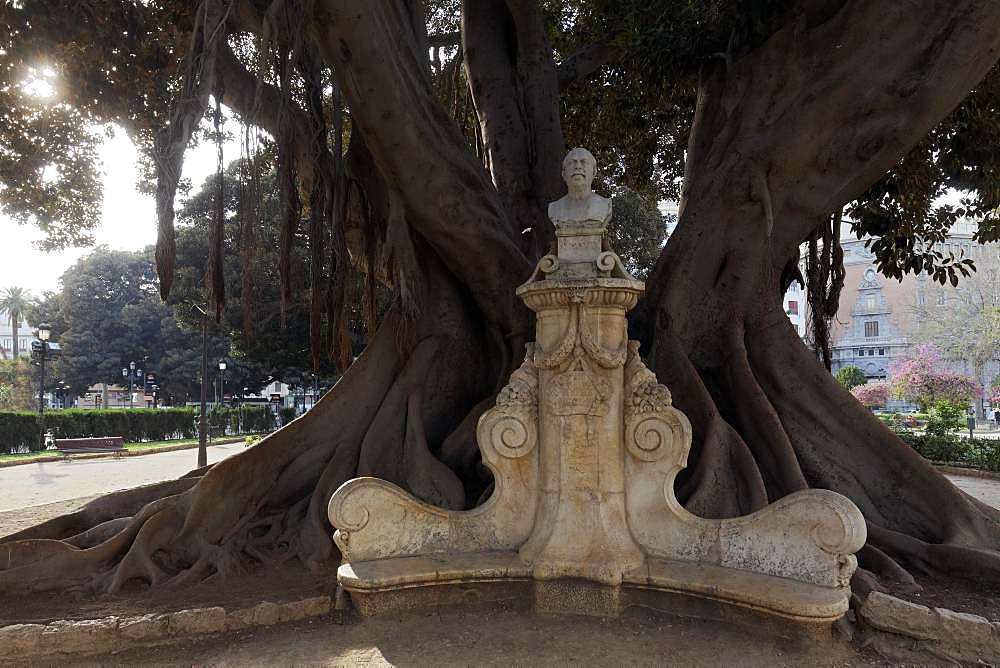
[222, 382]
[243, 398]
[44, 331]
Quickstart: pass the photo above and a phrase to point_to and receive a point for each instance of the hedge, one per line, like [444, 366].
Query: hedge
[256, 419]
[22, 432]
[980, 453]
[19, 432]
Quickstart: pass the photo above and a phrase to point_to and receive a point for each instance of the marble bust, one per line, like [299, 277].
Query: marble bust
[581, 206]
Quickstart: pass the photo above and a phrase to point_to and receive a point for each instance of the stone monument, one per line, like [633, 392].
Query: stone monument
[584, 446]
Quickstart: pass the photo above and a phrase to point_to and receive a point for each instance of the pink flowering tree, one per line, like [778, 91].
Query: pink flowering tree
[872, 394]
[921, 375]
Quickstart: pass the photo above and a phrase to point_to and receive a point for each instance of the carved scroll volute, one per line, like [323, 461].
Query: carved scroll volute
[654, 429]
[509, 430]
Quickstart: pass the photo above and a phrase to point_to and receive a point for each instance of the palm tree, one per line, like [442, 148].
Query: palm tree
[14, 303]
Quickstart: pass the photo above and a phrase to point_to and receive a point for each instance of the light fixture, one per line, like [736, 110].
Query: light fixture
[44, 332]
[222, 365]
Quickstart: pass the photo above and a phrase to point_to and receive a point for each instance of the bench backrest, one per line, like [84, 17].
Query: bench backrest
[115, 442]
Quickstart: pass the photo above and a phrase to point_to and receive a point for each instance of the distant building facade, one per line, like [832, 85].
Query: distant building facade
[879, 317]
[25, 335]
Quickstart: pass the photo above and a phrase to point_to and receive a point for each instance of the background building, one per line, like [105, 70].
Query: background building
[25, 335]
[879, 318]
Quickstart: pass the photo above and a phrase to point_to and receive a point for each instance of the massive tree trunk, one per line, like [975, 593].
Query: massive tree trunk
[783, 136]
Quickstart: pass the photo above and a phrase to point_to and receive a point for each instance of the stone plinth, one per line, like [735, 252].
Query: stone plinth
[584, 445]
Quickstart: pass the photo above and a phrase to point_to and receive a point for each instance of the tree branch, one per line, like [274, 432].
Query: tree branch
[585, 62]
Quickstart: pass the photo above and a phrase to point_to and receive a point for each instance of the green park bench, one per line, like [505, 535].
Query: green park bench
[69, 446]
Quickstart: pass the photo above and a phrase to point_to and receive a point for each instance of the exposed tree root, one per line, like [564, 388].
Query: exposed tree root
[268, 504]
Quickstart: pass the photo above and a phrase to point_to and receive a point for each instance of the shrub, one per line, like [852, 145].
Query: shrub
[851, 377]
[945, 417]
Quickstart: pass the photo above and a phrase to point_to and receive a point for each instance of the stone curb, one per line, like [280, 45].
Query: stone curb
[944, 633]
[97, 636]
[102, 455]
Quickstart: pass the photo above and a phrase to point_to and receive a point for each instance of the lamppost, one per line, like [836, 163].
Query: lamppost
[44, 331]
[243, 398]
[222, 382]
[130, 373]
[315, 389]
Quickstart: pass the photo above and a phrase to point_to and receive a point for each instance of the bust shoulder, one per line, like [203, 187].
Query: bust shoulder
[567, 209]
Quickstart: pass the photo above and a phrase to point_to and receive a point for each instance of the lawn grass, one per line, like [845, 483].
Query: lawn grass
[148, 446]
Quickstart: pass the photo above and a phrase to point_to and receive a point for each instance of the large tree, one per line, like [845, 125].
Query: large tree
[421, 150]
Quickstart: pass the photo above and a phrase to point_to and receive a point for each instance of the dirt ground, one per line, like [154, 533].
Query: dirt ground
[494, 638]
[15, 520]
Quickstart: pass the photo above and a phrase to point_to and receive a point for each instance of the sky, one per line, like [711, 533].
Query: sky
[128, 218]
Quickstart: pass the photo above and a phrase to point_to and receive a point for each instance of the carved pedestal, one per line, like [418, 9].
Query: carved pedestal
[584, 446]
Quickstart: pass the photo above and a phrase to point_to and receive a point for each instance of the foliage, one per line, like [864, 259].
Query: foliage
[963, 322]
[255, 419]
[287, 414]
[109, 313]
[871, 394]
[979, 453]
[20, 385]
[21, 433]
[945, 417]
[851, 377]
[920, 375]
[134, 425]
[637, 231]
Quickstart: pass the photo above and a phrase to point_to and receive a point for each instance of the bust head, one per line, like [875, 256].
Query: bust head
[578, 169]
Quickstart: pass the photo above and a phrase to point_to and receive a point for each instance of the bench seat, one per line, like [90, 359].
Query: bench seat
[69, 446]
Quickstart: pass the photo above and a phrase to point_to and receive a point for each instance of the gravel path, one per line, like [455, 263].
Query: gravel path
[44, 483]
[986, 490]
[158, 468]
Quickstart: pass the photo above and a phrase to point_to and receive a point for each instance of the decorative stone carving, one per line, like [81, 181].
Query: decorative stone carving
[584, 445]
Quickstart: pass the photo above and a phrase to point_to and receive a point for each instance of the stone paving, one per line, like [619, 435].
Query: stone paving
[47, 482]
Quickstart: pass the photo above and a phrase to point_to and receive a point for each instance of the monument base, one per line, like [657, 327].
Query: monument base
[783, 607]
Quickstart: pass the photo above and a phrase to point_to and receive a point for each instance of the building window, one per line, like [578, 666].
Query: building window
[940, 299]
[871, 328]
[861, 352]
[870, 303]
[793, 307]
[881, 351]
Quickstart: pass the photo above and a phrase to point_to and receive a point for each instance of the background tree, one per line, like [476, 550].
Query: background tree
[14, 304]
[109, 313]
[921, 375]
[872, 394]
[18, 385]
[964, 321]
[851, 377]
[767, 119]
